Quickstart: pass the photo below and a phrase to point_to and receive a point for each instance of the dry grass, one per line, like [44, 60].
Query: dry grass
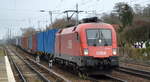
[1, 52]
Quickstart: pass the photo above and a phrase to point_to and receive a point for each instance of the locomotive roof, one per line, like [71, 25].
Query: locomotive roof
[85, 26]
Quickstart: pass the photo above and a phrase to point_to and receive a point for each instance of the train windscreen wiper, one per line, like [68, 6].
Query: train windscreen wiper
[95, 40]
[105, 42]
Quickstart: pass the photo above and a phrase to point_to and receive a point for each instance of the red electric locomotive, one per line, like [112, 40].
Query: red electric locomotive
[87, 45]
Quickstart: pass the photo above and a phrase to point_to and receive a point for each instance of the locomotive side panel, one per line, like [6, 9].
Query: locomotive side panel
[68, 47]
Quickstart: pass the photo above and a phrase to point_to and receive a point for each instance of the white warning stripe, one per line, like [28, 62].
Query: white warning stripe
[10, 74]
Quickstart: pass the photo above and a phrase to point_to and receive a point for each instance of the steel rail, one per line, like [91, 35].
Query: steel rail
[107, 75]
[115, 78]
[138, 64]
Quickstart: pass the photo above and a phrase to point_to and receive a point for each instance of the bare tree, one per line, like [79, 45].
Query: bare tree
[28, 31]
[62, 23]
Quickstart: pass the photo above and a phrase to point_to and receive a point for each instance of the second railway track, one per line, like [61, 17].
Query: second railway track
[131, 74]
[134, 71]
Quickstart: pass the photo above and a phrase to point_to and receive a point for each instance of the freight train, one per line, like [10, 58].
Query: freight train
[90, 45]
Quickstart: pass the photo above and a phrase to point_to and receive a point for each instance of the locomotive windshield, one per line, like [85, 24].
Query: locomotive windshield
[99, 37]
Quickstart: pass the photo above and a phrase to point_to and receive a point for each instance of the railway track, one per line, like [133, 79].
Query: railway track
[115, 78]
[134, 71]
[135, 63]
[20, 74]
[26, 71]
[44, 73]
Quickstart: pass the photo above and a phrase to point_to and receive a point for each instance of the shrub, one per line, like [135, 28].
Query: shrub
[140, 54]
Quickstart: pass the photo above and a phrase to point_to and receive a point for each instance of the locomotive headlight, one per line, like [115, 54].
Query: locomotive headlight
[114, 51]
[86, 52]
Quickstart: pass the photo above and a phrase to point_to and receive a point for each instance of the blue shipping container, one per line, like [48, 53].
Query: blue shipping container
[45, 41]
[40, 41]
[50, 41]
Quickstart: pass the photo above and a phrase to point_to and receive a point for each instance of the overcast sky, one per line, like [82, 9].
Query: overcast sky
[16, 14]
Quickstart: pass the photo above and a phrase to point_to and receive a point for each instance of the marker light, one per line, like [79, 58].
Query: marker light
[114, 51]
[86, 52]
